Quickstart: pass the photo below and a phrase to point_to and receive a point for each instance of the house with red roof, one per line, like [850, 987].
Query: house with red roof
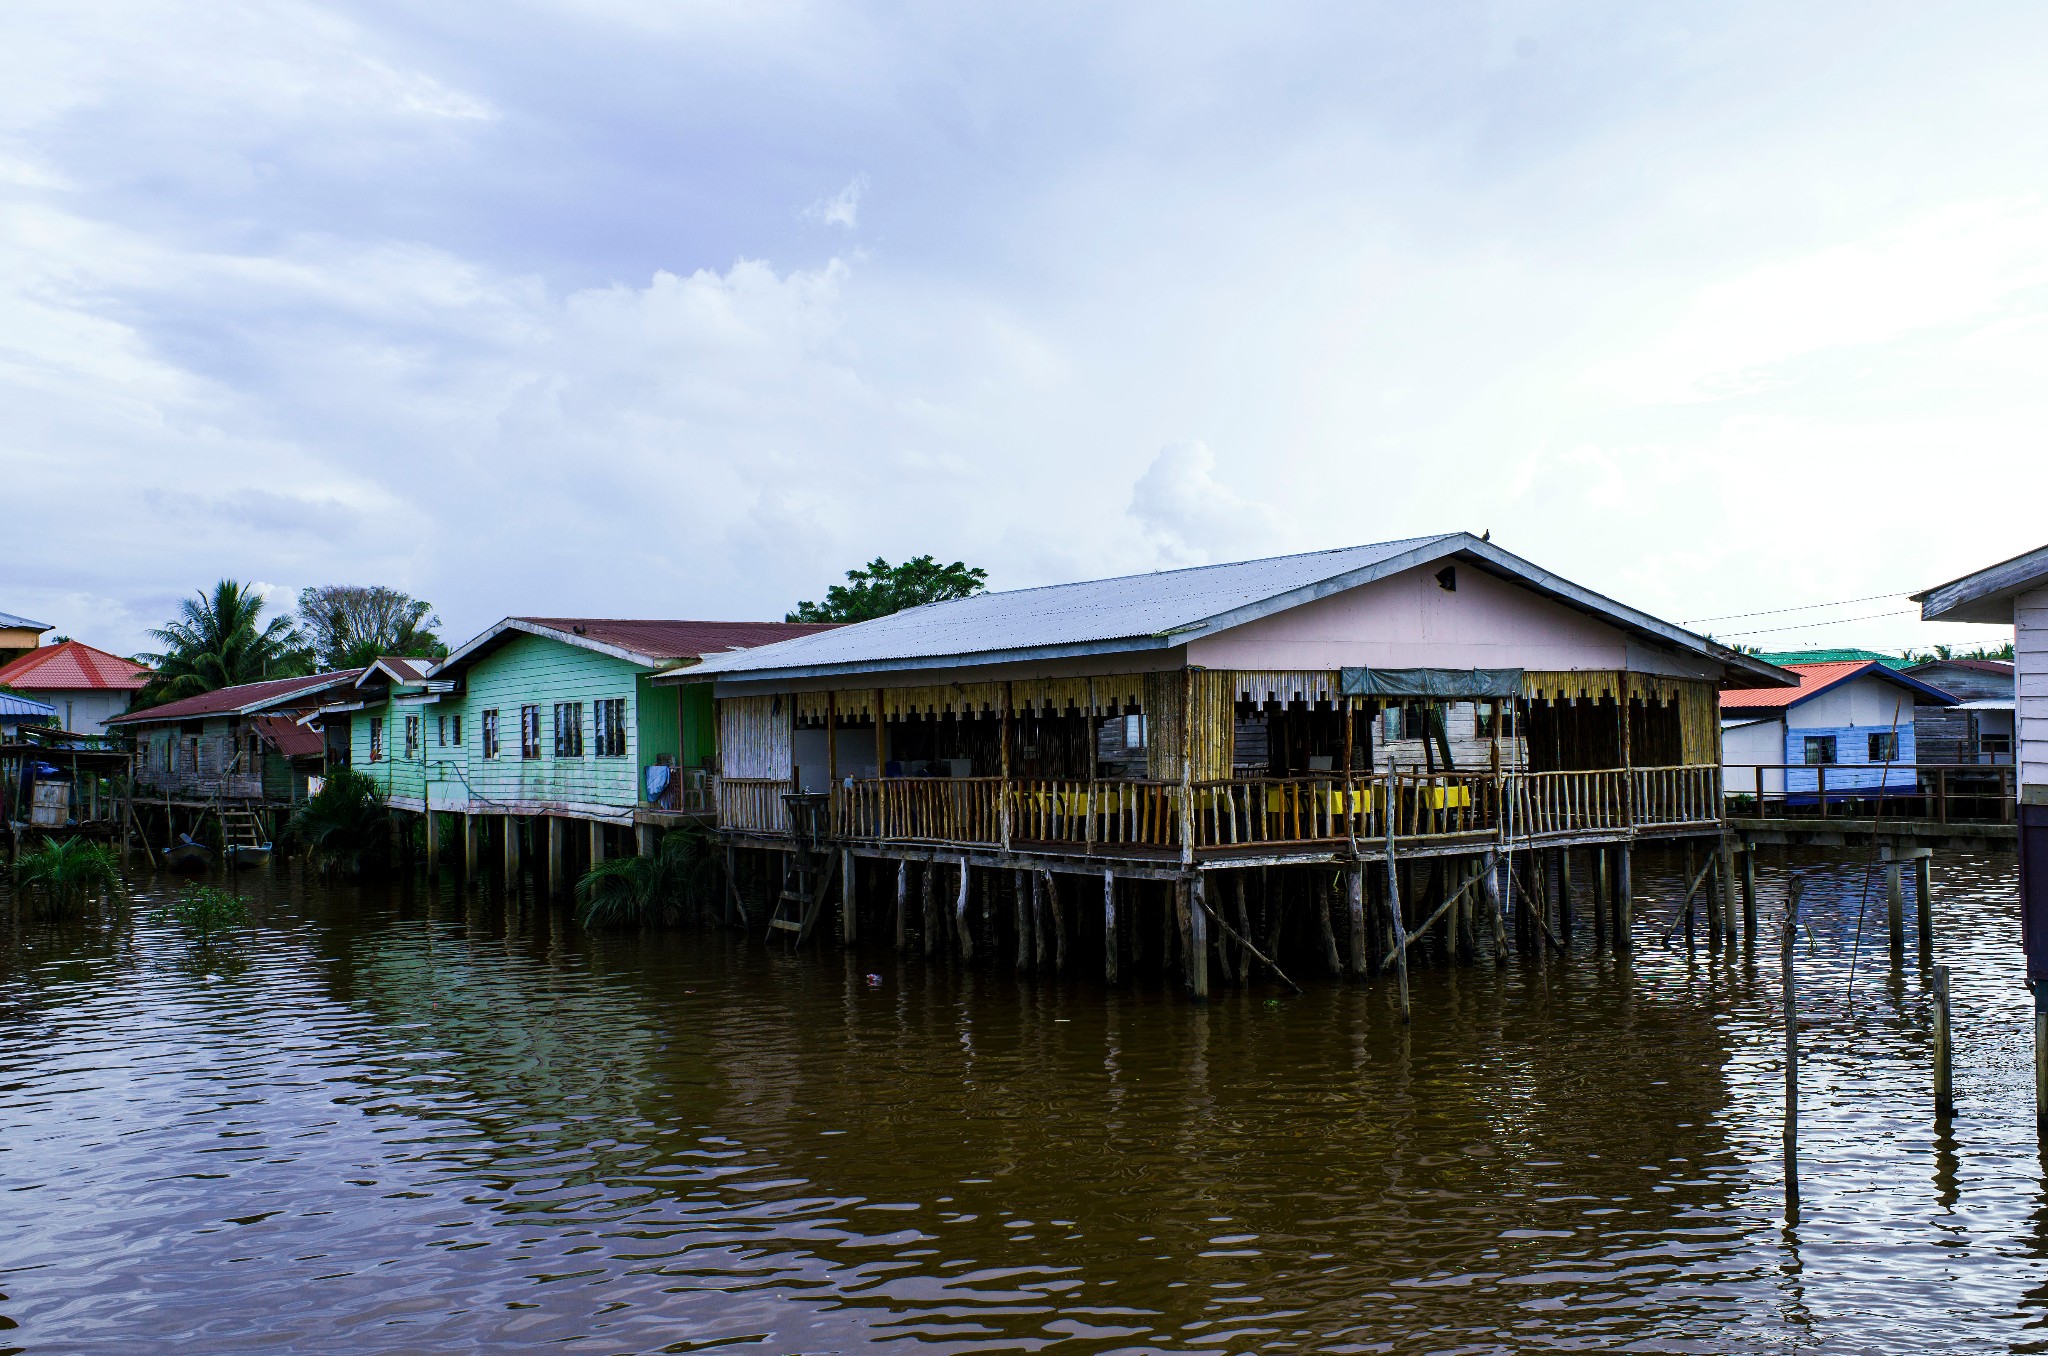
[1849, 724]
[237, 743]
[87, 686]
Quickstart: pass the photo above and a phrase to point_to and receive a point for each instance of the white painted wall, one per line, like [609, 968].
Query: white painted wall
[2030, 648]
[1747, 747]
[1408, 621]
[1868, 702]
[84, 710]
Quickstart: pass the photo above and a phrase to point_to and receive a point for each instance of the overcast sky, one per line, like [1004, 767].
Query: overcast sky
[656, 309]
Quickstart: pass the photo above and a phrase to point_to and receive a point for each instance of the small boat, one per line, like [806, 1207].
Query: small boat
[187, 857]
[247, 854]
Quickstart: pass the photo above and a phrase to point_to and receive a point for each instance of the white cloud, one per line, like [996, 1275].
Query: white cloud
[843, 207]
[1192, 517]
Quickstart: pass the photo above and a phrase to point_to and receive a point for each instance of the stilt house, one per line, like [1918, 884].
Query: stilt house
[1433, 694]
[238, 743]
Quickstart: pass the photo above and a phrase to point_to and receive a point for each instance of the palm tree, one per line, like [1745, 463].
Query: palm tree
[221, 640]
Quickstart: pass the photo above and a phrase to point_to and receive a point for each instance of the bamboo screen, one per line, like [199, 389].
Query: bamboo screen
[1572, 684]
[1286, 686]
[753, 736]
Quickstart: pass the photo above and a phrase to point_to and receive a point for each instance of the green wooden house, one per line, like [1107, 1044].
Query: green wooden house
[237, 743]
[548, 717]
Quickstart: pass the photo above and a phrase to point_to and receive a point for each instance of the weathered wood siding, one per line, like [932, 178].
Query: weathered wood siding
[2030, 652]
[535, 671]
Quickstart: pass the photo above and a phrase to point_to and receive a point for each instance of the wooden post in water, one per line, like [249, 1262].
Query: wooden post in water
[555, 837]
[902, 893]
[433, 844]
[596, 842]
[511, 847]
[1021, 916]
[1059, 925]
[1109, 925]
[960, 923]
[849, 904]
[1944, 1079]
[1198, 935]
[1624, 900]
[1603, 892]
[1564, 896]
[1354, 900]
[1749, 895]
[1789, 999]
[1894, 900]
[928, 897]
[1923, 896]
[1727, 873]
[1319, 900]
[470, 846]
[1394, 906]
[1492, 868]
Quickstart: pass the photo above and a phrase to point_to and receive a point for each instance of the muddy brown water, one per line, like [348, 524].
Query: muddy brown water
[414, 1119]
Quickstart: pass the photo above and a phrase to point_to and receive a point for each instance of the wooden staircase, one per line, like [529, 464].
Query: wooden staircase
[807, 870]
[240, 826]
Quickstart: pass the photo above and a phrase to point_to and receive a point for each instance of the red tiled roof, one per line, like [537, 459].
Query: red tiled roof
[679, 639]
[240, 698]
[288, 737]
[1813, 679]
[71, 665]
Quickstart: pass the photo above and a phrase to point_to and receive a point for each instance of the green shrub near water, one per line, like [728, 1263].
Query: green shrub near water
[656, 891]
[204, 911]
[65, 873]
[345, 828]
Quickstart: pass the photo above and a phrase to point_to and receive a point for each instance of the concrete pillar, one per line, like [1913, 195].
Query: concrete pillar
[557, 839]
[643, 837]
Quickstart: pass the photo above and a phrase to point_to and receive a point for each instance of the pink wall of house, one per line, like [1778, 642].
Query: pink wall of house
[1408, 621]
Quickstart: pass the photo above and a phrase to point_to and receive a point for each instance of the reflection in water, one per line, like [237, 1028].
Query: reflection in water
[428, 1118]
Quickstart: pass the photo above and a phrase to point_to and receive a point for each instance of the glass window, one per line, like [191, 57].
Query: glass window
[1884, 747]
[1820, 749]
[529, 732]
[611, 728]
[568, 729]
[455, 721]
[490, 720]
[376, 739]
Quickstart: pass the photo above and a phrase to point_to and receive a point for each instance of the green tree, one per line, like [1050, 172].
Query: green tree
[220, 640]
[349, 625]
[880, 588]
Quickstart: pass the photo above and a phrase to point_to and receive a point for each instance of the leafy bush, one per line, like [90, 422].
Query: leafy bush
[64, 873]
[656, 891]
[204, 910]
[345, 828]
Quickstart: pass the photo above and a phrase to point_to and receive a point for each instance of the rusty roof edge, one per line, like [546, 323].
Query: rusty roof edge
[965, 659]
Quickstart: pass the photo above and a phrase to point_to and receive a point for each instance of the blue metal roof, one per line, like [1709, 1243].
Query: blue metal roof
[14, 707]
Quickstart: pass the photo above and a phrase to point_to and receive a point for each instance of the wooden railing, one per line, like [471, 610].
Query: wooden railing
[925, 809]
[1245, 812]
[1674, 795]
[753, 804]
[1969, 793]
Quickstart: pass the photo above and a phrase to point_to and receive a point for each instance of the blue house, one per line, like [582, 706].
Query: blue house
[1854, 719]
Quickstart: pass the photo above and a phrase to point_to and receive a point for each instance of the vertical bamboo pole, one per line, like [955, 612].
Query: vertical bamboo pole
[1788, 998]
[1944, 1078]
[960, 923]
[1109, 947]
[1394, 908]
[1354, 899]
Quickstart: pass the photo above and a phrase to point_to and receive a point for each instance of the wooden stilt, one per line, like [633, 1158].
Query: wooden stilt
[1244, 927]
[1109, 947]
[1059, 924]
[1749, 895]
[1727, 873]
[1788, 1000]
[1923, 898]
[1624, 900]
[849, 900]
[902, 905]
[1492, 868]
[1944, 1080]
[1394, 902]
[1564, 896]
[597, 842]
[1321, 903]
[1021, 914]
[511, 847]
[1354, 901]
[925, 882]
[471, 847]
[1198, 935]
[1894, 900]
[1037, 948]
[433, 823]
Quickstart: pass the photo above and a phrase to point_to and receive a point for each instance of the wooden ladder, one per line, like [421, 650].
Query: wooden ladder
[239, 825]
[806, 872]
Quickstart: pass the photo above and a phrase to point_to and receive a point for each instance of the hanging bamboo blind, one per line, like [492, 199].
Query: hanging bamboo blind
[753, 736]
[1572, 684]
[1212, 724]
[1286, 686]
[1110, 695]
[944, 699]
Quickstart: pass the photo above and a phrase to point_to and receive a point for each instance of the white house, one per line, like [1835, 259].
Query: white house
[1850, 723]
[87, 687]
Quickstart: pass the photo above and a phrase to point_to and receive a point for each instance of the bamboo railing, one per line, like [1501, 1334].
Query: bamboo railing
[1246, 812]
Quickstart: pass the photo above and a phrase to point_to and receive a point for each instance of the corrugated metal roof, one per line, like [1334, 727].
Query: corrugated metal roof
[72, 665]
[13, 623]
[241, 698]
[1150, 611]
[1815, 679]
[661, 640]
[14, 707]
[288, 737]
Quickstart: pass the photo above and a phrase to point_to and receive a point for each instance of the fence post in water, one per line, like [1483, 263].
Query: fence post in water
[1894, 898]
[960, 913]
[1791, 1006]
[1492, 868]
[1109, 925]
[1923, 896]
[1198, 935]
[1944, 1078]
[1354, 901]
[902, 903]
[1749, 894]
